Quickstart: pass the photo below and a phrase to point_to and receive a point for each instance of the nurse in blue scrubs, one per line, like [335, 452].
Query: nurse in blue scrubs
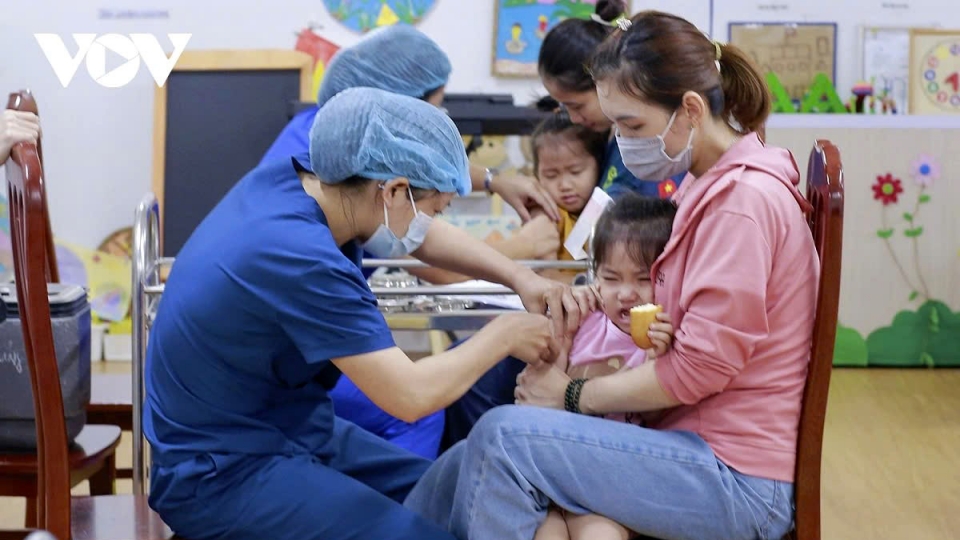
[402, 60]
[265, 306]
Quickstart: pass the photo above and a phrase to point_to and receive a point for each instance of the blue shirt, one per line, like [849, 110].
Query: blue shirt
[259, 300]
[616, 179]
[294, 140]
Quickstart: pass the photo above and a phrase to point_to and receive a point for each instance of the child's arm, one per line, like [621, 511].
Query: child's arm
[661, 334]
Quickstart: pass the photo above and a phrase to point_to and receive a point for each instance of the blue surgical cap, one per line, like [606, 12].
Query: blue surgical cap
[398, 59]
[380, 135]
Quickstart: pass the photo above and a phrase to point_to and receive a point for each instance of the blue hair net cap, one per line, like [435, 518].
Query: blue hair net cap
[397, 58]
[380, 135]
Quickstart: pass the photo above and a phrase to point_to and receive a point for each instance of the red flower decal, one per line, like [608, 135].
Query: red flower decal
[667, 188]
[887, 189]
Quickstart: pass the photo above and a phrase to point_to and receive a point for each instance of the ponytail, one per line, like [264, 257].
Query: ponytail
[660, 56]
[746, 96]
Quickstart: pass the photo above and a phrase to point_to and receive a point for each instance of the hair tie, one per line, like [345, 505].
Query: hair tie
[621, 22]
[716, 44]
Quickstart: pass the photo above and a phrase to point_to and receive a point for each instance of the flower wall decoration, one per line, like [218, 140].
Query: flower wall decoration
[887, 189]
[924, 336]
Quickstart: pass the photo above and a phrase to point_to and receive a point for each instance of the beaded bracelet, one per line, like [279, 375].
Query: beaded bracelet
[571, 398]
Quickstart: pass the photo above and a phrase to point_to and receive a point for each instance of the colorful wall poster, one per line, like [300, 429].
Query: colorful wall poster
[520, 26]
[365, 15]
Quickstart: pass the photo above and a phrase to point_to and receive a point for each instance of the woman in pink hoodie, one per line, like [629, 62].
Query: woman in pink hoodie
[738, 278]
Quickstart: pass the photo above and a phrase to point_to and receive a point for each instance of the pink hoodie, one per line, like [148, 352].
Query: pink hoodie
[739, 278]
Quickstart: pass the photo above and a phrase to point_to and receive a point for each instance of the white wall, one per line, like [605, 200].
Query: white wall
[98, 140]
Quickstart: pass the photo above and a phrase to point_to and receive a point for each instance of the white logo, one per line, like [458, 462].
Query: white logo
[94, 49]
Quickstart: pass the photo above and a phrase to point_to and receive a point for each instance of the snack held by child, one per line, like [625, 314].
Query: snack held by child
[566, 162]
[628, 238]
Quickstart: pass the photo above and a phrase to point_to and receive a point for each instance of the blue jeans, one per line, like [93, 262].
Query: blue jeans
[421, 437]
[499, 482]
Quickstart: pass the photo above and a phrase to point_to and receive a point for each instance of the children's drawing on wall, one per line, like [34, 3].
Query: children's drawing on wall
[886, 68]
[929, 334]
[521, 25]
[365, 15]
[792, 54]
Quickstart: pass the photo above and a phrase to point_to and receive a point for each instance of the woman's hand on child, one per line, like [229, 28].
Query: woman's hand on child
[661, 334]
[542, 295]
[541, 385]
[523, 192]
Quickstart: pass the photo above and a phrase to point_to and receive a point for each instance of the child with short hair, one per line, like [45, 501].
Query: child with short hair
[632, 232]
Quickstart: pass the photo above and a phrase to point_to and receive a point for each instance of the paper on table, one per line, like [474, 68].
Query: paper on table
[508, 301]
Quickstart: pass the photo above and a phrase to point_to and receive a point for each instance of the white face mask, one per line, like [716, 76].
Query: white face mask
[647, 159]
[385, 244]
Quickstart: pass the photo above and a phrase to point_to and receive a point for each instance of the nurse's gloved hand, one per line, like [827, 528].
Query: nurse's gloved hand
[530, 336]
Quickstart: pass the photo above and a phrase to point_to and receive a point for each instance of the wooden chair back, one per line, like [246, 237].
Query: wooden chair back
[29, 235]
[825, 193]
[23, 101]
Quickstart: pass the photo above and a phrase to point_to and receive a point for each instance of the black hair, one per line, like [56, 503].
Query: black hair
[558, 123]
[567, 48]
[641, 224]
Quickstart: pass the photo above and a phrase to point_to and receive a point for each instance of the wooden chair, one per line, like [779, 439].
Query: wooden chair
[825, 193]
[108, 517]
[93, 455]
[110, 397]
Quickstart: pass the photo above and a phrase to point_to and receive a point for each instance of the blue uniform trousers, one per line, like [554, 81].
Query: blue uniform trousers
[351, 489]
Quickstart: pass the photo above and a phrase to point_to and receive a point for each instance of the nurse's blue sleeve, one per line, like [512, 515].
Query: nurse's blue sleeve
[295, 137]
[331, 313]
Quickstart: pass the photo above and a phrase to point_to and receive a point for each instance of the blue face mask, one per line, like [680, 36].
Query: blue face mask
[384, 243]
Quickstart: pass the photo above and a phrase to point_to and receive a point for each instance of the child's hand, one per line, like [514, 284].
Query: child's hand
[661, 334]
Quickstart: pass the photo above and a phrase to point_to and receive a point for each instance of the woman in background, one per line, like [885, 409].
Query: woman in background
[566, 49]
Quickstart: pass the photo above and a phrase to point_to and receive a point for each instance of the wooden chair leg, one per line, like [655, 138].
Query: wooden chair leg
[104, 481]
[30, 519]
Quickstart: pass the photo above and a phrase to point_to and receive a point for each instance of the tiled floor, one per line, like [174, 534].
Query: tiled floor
[891, 457]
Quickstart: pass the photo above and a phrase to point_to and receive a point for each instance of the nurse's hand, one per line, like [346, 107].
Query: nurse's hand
[552, 298]
[530, 336]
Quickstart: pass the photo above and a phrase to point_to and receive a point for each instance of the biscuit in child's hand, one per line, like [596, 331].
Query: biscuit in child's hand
[640, 319]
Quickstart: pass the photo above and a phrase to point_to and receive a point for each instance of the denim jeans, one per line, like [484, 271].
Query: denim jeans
[499, 482]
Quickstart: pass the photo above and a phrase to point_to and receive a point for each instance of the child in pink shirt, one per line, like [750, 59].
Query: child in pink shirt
[628, 238]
